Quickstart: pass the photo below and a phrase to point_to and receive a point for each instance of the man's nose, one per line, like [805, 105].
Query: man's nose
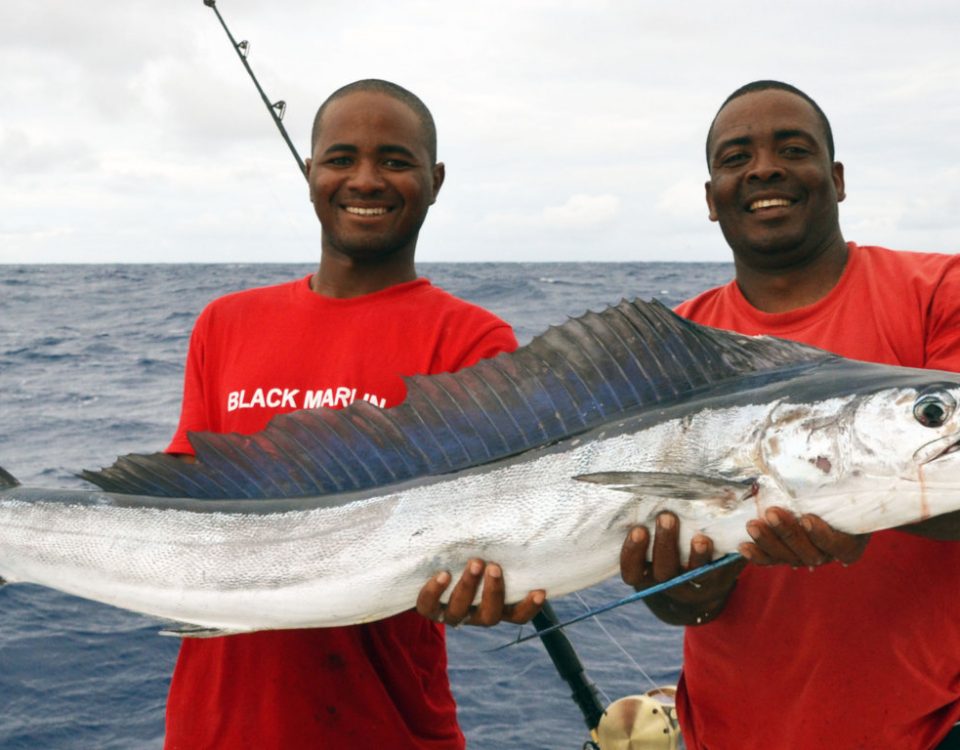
[366, 177]
[765, 166]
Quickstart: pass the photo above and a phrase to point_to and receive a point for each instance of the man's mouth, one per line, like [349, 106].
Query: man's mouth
[358, 211]
[761, 204]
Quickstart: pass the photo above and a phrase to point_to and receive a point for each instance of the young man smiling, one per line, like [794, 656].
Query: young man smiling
[355, 326]
[794, 650]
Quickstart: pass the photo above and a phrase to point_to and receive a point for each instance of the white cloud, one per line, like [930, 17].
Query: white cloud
[570, 130]
[576, 212]
[582, 211]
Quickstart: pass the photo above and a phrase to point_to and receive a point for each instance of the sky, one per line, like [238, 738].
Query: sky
[571, 130]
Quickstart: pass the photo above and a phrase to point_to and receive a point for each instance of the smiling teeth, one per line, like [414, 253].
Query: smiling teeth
[365, 211]
[769, 203]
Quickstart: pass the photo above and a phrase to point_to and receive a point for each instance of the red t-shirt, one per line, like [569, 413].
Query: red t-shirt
[267, 351]
[840, 658]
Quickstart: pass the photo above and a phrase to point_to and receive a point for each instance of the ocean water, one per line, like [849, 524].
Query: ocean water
[91, 362]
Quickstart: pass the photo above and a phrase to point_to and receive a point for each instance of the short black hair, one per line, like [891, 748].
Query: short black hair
[767, 85]
[389, 88]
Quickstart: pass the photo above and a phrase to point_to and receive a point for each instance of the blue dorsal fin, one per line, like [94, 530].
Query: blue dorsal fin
[570, 379]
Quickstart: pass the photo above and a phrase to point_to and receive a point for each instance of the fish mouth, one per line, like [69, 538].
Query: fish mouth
[936, 449]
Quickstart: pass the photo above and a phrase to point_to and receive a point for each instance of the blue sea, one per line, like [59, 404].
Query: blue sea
[91, 362]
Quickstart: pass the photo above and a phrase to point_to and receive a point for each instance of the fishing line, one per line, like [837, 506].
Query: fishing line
[619, 646]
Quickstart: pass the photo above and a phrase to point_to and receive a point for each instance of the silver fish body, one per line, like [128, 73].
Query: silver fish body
[539, 460]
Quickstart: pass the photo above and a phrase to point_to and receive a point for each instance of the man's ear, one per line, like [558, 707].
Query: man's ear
[709, 195]
[439, 173]
[838, 183]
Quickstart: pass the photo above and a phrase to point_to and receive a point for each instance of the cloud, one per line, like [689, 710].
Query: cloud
[571, 129]
[579, 211]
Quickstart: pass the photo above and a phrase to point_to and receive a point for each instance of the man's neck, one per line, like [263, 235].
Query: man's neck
[778, 290]
[344, 278]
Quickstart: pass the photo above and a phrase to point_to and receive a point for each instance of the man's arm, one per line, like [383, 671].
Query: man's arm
[945, 528]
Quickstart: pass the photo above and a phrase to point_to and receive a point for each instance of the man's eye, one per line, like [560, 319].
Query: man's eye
[339, 161]
[397, 164]
[733, 159]
[795, 151]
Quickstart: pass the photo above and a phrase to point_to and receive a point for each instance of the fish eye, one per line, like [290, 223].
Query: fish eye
[932, 409]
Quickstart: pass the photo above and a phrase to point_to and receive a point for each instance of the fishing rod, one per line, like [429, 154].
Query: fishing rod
[277, 108]
[569, 667]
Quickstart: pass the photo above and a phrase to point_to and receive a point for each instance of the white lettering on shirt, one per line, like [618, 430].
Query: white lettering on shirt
[275, 398]
[290, 399]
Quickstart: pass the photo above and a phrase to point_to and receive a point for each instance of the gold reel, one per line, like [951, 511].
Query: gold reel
[641, 722]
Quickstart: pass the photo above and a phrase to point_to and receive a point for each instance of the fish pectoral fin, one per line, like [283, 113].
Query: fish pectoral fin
[187, 630]
[692, 487]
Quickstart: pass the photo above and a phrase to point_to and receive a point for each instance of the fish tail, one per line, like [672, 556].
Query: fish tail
[7, 479]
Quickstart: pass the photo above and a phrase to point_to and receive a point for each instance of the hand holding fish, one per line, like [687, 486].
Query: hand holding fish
[692, 604]
[807, 541]
[459, 610]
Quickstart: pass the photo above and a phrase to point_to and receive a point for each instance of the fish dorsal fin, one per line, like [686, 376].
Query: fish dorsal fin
[570, 379]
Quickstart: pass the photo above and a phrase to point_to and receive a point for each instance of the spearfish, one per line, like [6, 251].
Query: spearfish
[539, 460]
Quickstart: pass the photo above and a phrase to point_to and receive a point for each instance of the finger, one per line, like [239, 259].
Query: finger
[666, 548]
[428, 601]
[792, 535]
[526, 609]
[847, 548]
[633, 557]
[490, 609]
[463, 594]
[711, 586]
[767, 548]
[701, 551]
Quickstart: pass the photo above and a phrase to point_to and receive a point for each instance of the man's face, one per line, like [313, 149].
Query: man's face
[772, 185]
[371, 180]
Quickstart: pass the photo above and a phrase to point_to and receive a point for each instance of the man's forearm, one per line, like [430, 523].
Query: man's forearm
[945, 528]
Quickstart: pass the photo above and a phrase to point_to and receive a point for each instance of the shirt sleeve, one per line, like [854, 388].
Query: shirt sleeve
[943, 324]
[193, 411]
[497, 340]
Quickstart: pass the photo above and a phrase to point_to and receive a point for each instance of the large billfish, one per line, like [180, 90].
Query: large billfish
[539, 460]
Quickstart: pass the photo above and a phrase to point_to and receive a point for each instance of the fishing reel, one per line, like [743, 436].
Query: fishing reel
[639, 722]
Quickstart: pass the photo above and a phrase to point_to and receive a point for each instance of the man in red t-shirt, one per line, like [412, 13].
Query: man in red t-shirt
[348, 331]
[792, 649]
